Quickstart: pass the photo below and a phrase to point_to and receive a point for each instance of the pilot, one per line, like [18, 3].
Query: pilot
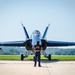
[37, 49]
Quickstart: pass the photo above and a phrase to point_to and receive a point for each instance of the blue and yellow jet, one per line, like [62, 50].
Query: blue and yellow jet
[31, 41]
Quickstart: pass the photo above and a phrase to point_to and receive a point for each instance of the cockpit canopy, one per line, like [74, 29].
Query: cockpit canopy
[36, 36]
[36, 33]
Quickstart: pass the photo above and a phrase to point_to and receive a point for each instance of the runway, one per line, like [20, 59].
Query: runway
[27, 68]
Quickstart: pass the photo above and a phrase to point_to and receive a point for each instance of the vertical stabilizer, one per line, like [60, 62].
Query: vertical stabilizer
[45, 32]
[27, 36]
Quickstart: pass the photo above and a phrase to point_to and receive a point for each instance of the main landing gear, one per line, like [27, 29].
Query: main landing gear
[44, 53]
[24, 56]
[47, 55]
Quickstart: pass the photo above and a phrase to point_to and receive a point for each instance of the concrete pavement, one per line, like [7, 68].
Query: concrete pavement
[27, 68]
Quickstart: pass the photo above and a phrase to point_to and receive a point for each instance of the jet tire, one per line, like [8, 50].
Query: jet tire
[49, 57]
[22, 57]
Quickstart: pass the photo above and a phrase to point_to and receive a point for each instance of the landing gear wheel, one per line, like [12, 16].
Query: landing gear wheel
[22, 57]
[49, 57]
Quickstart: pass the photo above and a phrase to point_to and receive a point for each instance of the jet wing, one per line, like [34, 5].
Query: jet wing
[13, 43]
[59, 43]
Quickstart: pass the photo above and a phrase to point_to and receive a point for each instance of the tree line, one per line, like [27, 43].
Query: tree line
[52, 51]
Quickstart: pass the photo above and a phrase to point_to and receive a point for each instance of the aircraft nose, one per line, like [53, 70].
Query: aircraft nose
[35, 40]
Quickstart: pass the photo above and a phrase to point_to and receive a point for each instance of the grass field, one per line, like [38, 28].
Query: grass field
[53, 57]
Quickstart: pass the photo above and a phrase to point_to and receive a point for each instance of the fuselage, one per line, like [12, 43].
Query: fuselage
[35, 37]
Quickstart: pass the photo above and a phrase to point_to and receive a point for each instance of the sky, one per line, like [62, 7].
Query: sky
[36, 15]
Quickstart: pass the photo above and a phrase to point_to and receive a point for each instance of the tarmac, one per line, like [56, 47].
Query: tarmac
[27, 68]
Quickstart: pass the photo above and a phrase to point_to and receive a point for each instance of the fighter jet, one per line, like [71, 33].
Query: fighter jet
[31, 41]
